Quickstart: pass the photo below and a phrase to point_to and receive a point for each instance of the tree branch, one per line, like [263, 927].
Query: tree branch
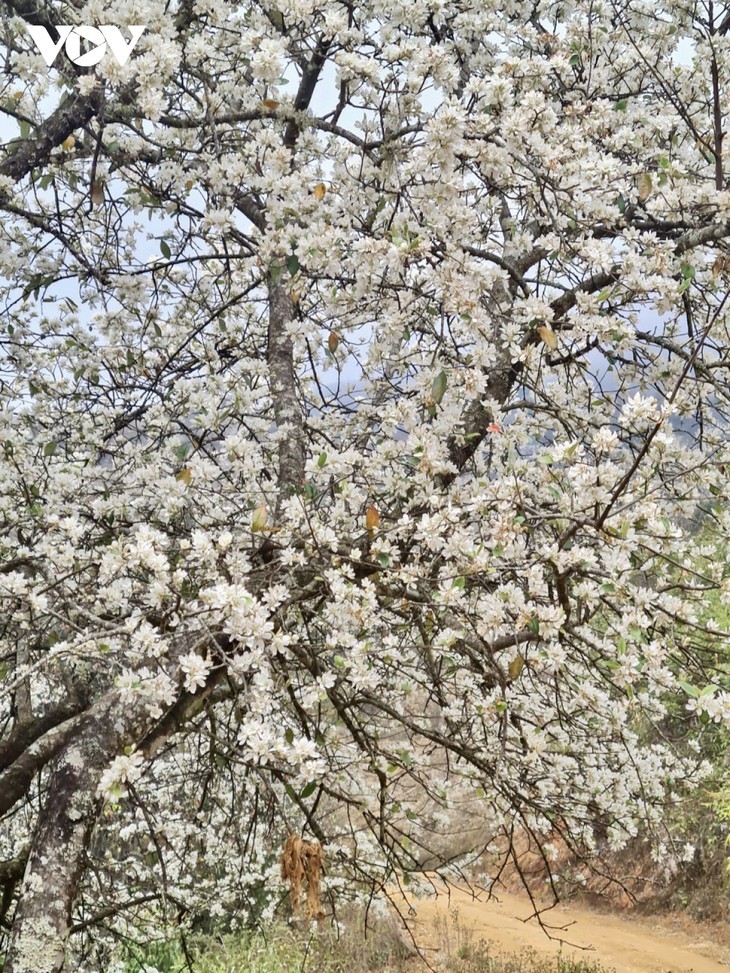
[287, 410]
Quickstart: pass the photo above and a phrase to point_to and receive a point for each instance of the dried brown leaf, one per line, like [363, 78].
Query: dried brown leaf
[548, 336]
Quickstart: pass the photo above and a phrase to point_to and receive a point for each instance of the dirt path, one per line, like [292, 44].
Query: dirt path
[629, 945]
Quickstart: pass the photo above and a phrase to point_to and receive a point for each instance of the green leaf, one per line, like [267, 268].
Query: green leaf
[289, 735]
[165, 249]
[621, 203]
[574, 60]
[308, 789]
[292, 264]
[49, 449]
[459, 583]
[691, 690]
[322, 460]
[24, 130]
[438, 387]
[384, 559]
[684, 285]
[622, 104]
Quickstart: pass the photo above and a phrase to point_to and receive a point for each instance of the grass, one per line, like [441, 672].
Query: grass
[289, 949]
[480, 958]
[285, 948]
[461, 953]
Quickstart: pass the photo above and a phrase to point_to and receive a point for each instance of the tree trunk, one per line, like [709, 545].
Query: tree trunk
[287, 410]
[43, 916]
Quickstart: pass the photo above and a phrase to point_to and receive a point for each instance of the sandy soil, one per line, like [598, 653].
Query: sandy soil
[630, 945]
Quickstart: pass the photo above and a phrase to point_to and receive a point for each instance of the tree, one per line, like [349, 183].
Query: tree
[364, 379]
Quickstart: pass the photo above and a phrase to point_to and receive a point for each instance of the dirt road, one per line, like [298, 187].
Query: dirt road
[629, 945]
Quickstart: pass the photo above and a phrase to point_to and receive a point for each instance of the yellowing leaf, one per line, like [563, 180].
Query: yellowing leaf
[319, 191]
[721, 264]
[438, 387]
[644, 185]
[184, 475]
[548, 336]
[271, 104]
[372, 518]
[68, 143]
[259, 519]
[515, 667]
[333, 341]
[97, 192]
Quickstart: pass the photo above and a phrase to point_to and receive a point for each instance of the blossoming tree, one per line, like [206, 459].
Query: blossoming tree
[364, 372]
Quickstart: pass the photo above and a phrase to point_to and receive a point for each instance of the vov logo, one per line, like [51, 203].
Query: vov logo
[71, 37]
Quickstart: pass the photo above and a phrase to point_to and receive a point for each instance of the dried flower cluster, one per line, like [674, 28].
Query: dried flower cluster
[302, 864]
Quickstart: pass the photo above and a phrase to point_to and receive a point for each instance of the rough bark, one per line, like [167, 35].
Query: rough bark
[287, 410]
[35, 150]
[11, 872]
[16, 780]
[25, 734]
[42, 920]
